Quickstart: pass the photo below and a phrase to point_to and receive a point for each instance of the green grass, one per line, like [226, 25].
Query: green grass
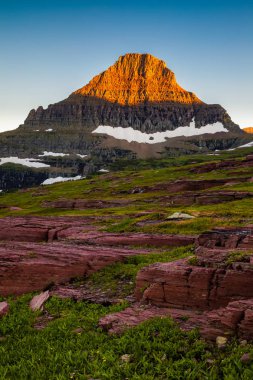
[234, 257]
[119, 278]
[158, 349]
[119, 185]
[72, 346]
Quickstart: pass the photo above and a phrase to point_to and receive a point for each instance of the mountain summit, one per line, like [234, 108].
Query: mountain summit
[134, 109]
[137, 78]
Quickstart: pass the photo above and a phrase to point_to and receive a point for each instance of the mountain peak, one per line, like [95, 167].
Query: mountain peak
[137, 78]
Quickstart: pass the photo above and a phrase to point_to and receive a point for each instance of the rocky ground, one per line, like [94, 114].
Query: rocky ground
[119, 254]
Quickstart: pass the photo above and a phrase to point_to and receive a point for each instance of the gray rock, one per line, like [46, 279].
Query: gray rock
[180, 216]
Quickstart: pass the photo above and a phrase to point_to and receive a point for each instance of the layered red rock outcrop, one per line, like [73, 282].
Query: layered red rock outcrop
[206, 198]
[37, 252]
[224, 164]
[27, 267]
[215, 294]
[235, 318]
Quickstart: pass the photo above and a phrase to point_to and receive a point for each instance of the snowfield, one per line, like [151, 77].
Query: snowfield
[30, 162]
[132, 135]
[248, 145]
[45, 153]
[103, 171]
[50, 181]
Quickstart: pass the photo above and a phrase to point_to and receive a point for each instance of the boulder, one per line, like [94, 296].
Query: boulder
[180, 216]
[38, 301]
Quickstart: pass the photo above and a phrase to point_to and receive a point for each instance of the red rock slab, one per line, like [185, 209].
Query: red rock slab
[228, 164]
[180, 285]
[126, 239]
[174, 284]
[193, 185]
[86, 293]
[132, 316]
[39, 229]
[213, 197]
[222, 256]
[82, 204]
[221, 197]
[36, 229]
[117, 323]
[227, 238]
[26, 267]
[234, 319]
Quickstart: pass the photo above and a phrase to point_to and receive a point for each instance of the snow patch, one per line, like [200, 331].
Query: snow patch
[103, 171]
[81, 155]
[130, 134]
[30, 162]
[49, 130]
[248, 145]
[45, 153]
[50, 181]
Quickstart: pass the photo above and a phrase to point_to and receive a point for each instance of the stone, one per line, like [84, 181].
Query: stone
[126, 358]
[246, 358]
[43, 320]
[221, 341]
[78, 330]
[38, 301]
[4, 308]
[180, 216]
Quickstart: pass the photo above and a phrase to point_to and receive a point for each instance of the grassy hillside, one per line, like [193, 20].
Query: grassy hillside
[143, 208]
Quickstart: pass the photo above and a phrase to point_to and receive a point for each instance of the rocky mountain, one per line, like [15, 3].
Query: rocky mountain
[136, 79]
[135, 108]
[248, 129]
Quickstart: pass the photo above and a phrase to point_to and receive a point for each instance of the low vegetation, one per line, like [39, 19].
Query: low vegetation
[71, 345]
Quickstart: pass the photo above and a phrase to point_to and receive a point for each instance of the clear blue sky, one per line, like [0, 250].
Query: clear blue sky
[50, 48]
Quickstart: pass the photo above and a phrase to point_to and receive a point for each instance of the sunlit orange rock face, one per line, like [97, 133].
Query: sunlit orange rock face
[248, 129]
[135, 79]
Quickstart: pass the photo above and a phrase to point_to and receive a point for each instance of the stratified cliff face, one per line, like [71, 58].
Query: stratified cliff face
[148, 115]
[138, 91]
[89, 112]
